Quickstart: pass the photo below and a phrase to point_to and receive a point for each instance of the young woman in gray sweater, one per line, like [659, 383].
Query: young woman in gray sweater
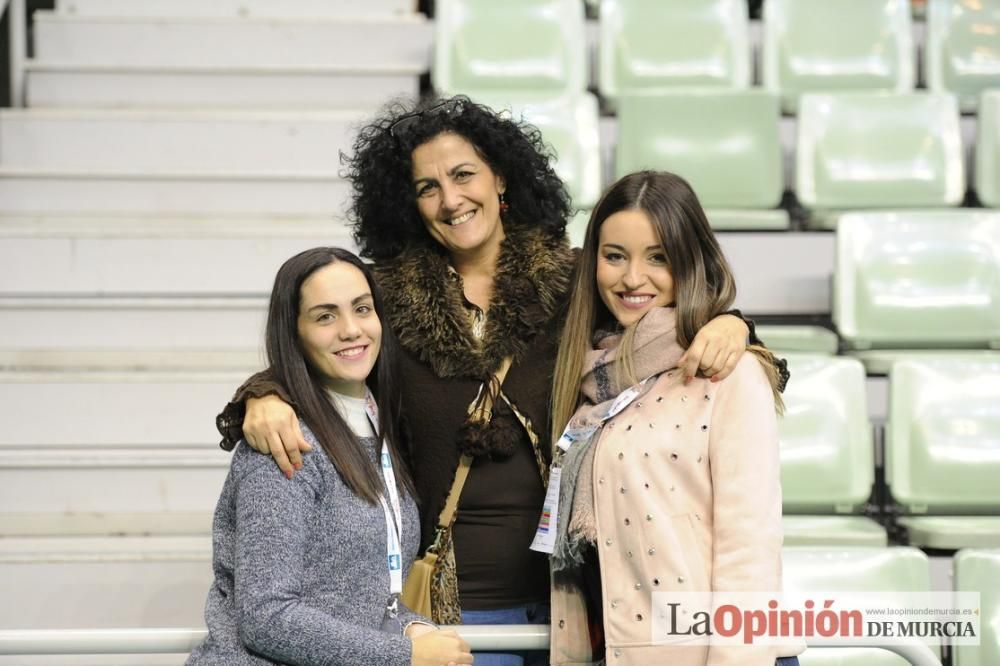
[308, 570]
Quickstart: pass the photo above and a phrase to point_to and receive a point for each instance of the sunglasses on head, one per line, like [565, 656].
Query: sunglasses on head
[406, 123]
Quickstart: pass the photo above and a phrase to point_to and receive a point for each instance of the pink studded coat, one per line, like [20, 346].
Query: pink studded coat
[687, 497]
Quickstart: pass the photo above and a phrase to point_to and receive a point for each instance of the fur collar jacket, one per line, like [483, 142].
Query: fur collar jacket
[428, 313]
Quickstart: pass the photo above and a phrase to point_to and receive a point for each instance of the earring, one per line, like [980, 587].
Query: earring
[504, 206]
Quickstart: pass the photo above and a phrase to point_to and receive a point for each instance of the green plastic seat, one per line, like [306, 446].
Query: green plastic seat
[979, 571]
[816, 656]
[879, 572]
[833, 531]
[873, 150]
[569, 123]
[962, 49]
[827, 455]
[822, 46]
[656, 46]
[942, 461]
[880, 361]
[808, 339]
[724, 143]
[988, 150]
[951, 532]
[918, 280]
[744, 219]
[515, 45]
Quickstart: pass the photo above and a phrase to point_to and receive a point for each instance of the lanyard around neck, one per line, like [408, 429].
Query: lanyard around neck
[393, 517]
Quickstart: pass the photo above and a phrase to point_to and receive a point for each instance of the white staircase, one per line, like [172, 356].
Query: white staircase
[173, 154]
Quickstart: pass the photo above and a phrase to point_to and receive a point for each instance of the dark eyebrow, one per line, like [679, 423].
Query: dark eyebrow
[332, 306]
[619, 247]
[451, 172]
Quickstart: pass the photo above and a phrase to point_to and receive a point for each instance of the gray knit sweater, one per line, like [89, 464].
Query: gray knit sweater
[300, 568]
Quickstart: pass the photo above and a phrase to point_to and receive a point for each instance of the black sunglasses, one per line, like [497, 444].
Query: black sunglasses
[399, 129]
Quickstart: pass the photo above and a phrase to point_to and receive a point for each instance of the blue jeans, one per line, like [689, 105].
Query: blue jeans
[537, 613]
[787, 661]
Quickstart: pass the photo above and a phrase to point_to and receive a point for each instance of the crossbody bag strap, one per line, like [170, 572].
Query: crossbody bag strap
[485, 408]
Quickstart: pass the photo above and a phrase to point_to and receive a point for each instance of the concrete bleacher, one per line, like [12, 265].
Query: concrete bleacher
[172, 155]
[148, 194]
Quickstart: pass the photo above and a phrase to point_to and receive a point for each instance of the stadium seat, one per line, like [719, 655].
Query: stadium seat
[918, 280]
[517, 45]
[656, 46]
[827, 455]
[850, 657]
[822, 46]
[875, 570]
[988, 150]
[962, 49]
[569, 123]
[941, 457]
[724, 143]
[979, 571]
[872, 150]
[789, 338]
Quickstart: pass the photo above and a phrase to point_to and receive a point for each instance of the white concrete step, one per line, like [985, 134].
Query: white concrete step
[304, 9]
[42, 192]
[357, 41]
[132, 323]
[129, 141]
[94, 659]
[105, 524]
[193, 87]
[117, 410]
[134, 256]
[77, 358]
[780, 272]
[73, 582]
[104, 480]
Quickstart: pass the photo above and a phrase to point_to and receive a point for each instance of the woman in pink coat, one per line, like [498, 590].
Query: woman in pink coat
[663, 486]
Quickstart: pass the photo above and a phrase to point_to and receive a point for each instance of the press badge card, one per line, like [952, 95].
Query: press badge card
[545, 535]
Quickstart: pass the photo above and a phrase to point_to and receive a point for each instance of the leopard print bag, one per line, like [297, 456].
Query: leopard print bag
[445, 607]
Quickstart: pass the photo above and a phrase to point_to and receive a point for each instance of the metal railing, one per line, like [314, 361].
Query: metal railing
[17, 22]
[177, 641]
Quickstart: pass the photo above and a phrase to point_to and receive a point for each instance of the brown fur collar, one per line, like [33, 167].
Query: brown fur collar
[425, 303]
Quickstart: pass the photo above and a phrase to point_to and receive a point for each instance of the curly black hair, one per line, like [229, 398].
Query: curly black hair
[383, 210]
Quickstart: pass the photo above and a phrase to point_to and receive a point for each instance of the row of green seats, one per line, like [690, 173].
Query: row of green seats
[854, 150]
[942, 452]
[657, 46]
[884, 572]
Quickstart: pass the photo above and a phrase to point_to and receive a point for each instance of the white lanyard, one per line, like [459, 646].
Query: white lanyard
[545, 535]
[393, 518]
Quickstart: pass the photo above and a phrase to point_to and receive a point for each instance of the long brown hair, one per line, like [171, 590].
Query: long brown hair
[704, 286]
[289, 365]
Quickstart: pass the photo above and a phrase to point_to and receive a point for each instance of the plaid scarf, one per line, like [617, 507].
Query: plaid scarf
[655, 351]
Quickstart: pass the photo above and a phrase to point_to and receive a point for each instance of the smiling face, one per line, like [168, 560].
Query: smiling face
[458, 196]
[340, 332]
[632, 273]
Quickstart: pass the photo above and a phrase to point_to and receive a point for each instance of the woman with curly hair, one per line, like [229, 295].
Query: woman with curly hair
[464, 217]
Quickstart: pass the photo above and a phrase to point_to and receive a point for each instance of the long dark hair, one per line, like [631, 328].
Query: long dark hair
[383, 206]
[290, 366]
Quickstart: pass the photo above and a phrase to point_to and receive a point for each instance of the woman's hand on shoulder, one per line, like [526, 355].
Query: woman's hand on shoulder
[438, 647]
[716, 349]
[271, 426]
